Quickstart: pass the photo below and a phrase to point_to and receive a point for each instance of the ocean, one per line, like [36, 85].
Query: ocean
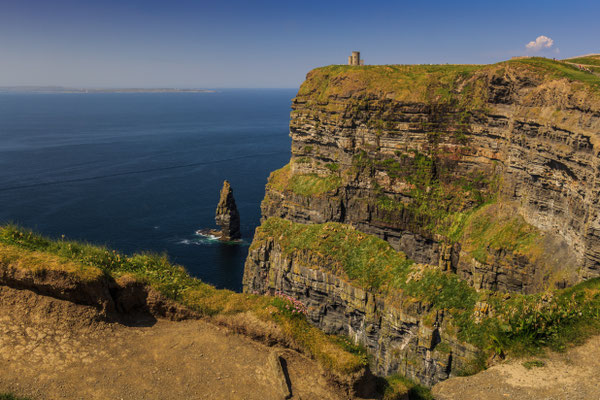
[142, 171]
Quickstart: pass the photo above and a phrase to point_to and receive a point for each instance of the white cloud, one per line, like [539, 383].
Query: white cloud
[540, 43]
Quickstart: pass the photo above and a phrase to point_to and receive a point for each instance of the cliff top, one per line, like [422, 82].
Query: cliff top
[441, 83]
[588, 59]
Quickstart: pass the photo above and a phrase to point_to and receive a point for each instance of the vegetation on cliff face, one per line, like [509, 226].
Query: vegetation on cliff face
[23, 249]
[495, 322]
[303, 184]
[346, 252]
[498, 227]
[438, 200]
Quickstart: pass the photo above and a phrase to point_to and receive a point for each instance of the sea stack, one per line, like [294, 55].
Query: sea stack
[227, 215]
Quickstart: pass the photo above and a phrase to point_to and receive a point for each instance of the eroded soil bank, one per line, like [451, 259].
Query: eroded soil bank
[55, 349]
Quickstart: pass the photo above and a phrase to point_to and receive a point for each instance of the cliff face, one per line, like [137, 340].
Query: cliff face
[488, 173]
[411, 153]
[411, 340]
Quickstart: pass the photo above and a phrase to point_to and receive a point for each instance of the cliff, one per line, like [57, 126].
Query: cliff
[411, 154]
[357, 286]
[484, 176]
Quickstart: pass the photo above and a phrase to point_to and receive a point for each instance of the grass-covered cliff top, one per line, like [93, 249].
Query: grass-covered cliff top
[515, 322]
[34, 255]
[590, 59]
[433, 83]
[404, 82]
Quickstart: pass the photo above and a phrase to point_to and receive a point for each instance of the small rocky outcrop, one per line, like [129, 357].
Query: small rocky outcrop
[227, 215]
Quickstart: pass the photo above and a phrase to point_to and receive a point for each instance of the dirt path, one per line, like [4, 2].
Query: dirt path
[574, 375]
[53, 349]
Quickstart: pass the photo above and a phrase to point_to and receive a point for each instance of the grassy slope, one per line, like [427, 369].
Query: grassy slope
[517, 322]
[303, 184]
[23, 249]
[556, 70]
[592, 59]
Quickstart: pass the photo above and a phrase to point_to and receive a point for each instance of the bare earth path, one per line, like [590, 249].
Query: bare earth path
[573, 375]
[53, 349]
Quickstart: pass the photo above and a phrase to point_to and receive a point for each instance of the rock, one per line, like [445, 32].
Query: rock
[277, 363]
[227, 215]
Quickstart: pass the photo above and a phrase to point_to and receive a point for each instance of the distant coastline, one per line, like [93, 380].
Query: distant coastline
[60, 89]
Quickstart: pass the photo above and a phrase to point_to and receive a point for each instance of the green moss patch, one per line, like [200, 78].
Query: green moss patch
[9, 396]
[534, 364]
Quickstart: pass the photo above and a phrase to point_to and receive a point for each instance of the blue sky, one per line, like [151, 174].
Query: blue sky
[220, 44]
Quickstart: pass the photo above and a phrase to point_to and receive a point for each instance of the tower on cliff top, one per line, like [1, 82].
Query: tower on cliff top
[354, 59]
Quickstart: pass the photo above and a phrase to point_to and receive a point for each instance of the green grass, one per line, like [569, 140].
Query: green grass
[21, 248]
[8, 396]
[500, 227]
[462, 87]
[343, 250]
[557, 69]
[405, 82]
[587, 60]
[304, 184]
[518, 324]
[437, 84]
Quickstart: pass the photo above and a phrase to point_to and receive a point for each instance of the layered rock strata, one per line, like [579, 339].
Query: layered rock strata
[405, 339]
[409, 163]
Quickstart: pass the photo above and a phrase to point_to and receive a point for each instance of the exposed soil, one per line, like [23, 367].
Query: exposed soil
[573, 375]
[55, 349]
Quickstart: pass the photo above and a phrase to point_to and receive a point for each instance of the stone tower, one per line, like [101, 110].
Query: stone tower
[354, 59]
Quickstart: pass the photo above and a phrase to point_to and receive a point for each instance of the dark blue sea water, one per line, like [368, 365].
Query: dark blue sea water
[142, 171]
